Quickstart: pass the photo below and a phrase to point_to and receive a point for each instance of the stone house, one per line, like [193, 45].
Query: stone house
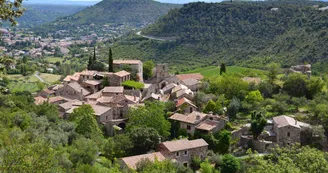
[92, 85]
[112, 91]
[46, 93]
[132, 162]
[118, 78]
[73, 91]
[186, 106]
[182, 151]
[287, 129]
[133, 64]
[204, 123]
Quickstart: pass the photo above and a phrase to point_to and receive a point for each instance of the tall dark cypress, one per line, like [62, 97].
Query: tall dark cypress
[89, 62]
[94, 54]
[110, 61]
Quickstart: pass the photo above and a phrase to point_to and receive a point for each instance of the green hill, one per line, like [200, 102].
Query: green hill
[250, 34]
[117, 12]
[39, 14]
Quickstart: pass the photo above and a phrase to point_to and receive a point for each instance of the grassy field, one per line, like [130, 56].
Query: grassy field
[22, 78]
[211, 71]
[29, 83]
[53, 60]
[50, 78]
[21, 86]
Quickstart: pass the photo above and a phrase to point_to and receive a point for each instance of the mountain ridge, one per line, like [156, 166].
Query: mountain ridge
[242, 33]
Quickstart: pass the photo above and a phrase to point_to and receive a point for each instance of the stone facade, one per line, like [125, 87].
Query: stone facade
[184, 150]
[288, 135]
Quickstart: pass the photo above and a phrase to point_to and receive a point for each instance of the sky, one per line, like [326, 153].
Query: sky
[90, 2]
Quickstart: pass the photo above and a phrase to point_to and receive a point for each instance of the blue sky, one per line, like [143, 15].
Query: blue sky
[94, 1]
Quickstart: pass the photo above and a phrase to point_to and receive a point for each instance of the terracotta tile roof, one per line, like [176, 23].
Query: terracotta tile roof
[117, 62]
[184, 91]
[190, 82]
[95, 95]
[48, 91]
[191, 118]
[196, 76]
[132, 161]
[183, 101]
[99, 110]
[88, 73]
[39, 100]
[282, 121]
[119, 89]
[74, 77]
[78, 88]
[184, 144]
[122, 73]
[56, 99]
[66, 106]
[207, 125]
[178, 88]
[132, 98]
[169, 87]
[105, 99]
[92, 82]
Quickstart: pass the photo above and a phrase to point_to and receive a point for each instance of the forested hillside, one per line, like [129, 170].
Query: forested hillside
[128, 12]
[40, 14]
[242, 32]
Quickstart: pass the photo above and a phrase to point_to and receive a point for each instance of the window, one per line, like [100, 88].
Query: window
[185, 164]
[106, 117]
[288, 134]
[186, 152]
[211, 118]
[188, 127]
[191, 110]
[177, 154]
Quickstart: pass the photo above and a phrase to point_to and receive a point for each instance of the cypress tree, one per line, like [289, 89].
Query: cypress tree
[94, 54]
[110, 61]
[223, 69]
[89, 63]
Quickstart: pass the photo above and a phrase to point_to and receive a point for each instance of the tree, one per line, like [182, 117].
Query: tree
[224, 141]
[233, 108]
[105, 81]
[94, 55]
[98, 66]
[210, 107]
[254, 97]
[148, 67]
[152, 115]
[273, 70]
[110, 61]
[143, 139]
[79, 113]
[118, 146]
[206, 167]
[223, 69]
[230, 164]
[83, 151]
[88, 126]
[90, 62]
[258, 124]
[292, 159]
[11, 10]
[295, 85]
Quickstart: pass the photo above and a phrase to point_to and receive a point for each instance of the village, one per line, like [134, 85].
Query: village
[113, 102]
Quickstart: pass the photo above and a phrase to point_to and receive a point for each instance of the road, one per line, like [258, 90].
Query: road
[155, 38]
[37, 76]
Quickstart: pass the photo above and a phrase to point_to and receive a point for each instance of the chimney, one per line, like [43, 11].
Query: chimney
[197, 116]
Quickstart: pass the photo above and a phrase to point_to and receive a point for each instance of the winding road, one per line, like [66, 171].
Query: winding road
[37, 76]
[155, 38]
